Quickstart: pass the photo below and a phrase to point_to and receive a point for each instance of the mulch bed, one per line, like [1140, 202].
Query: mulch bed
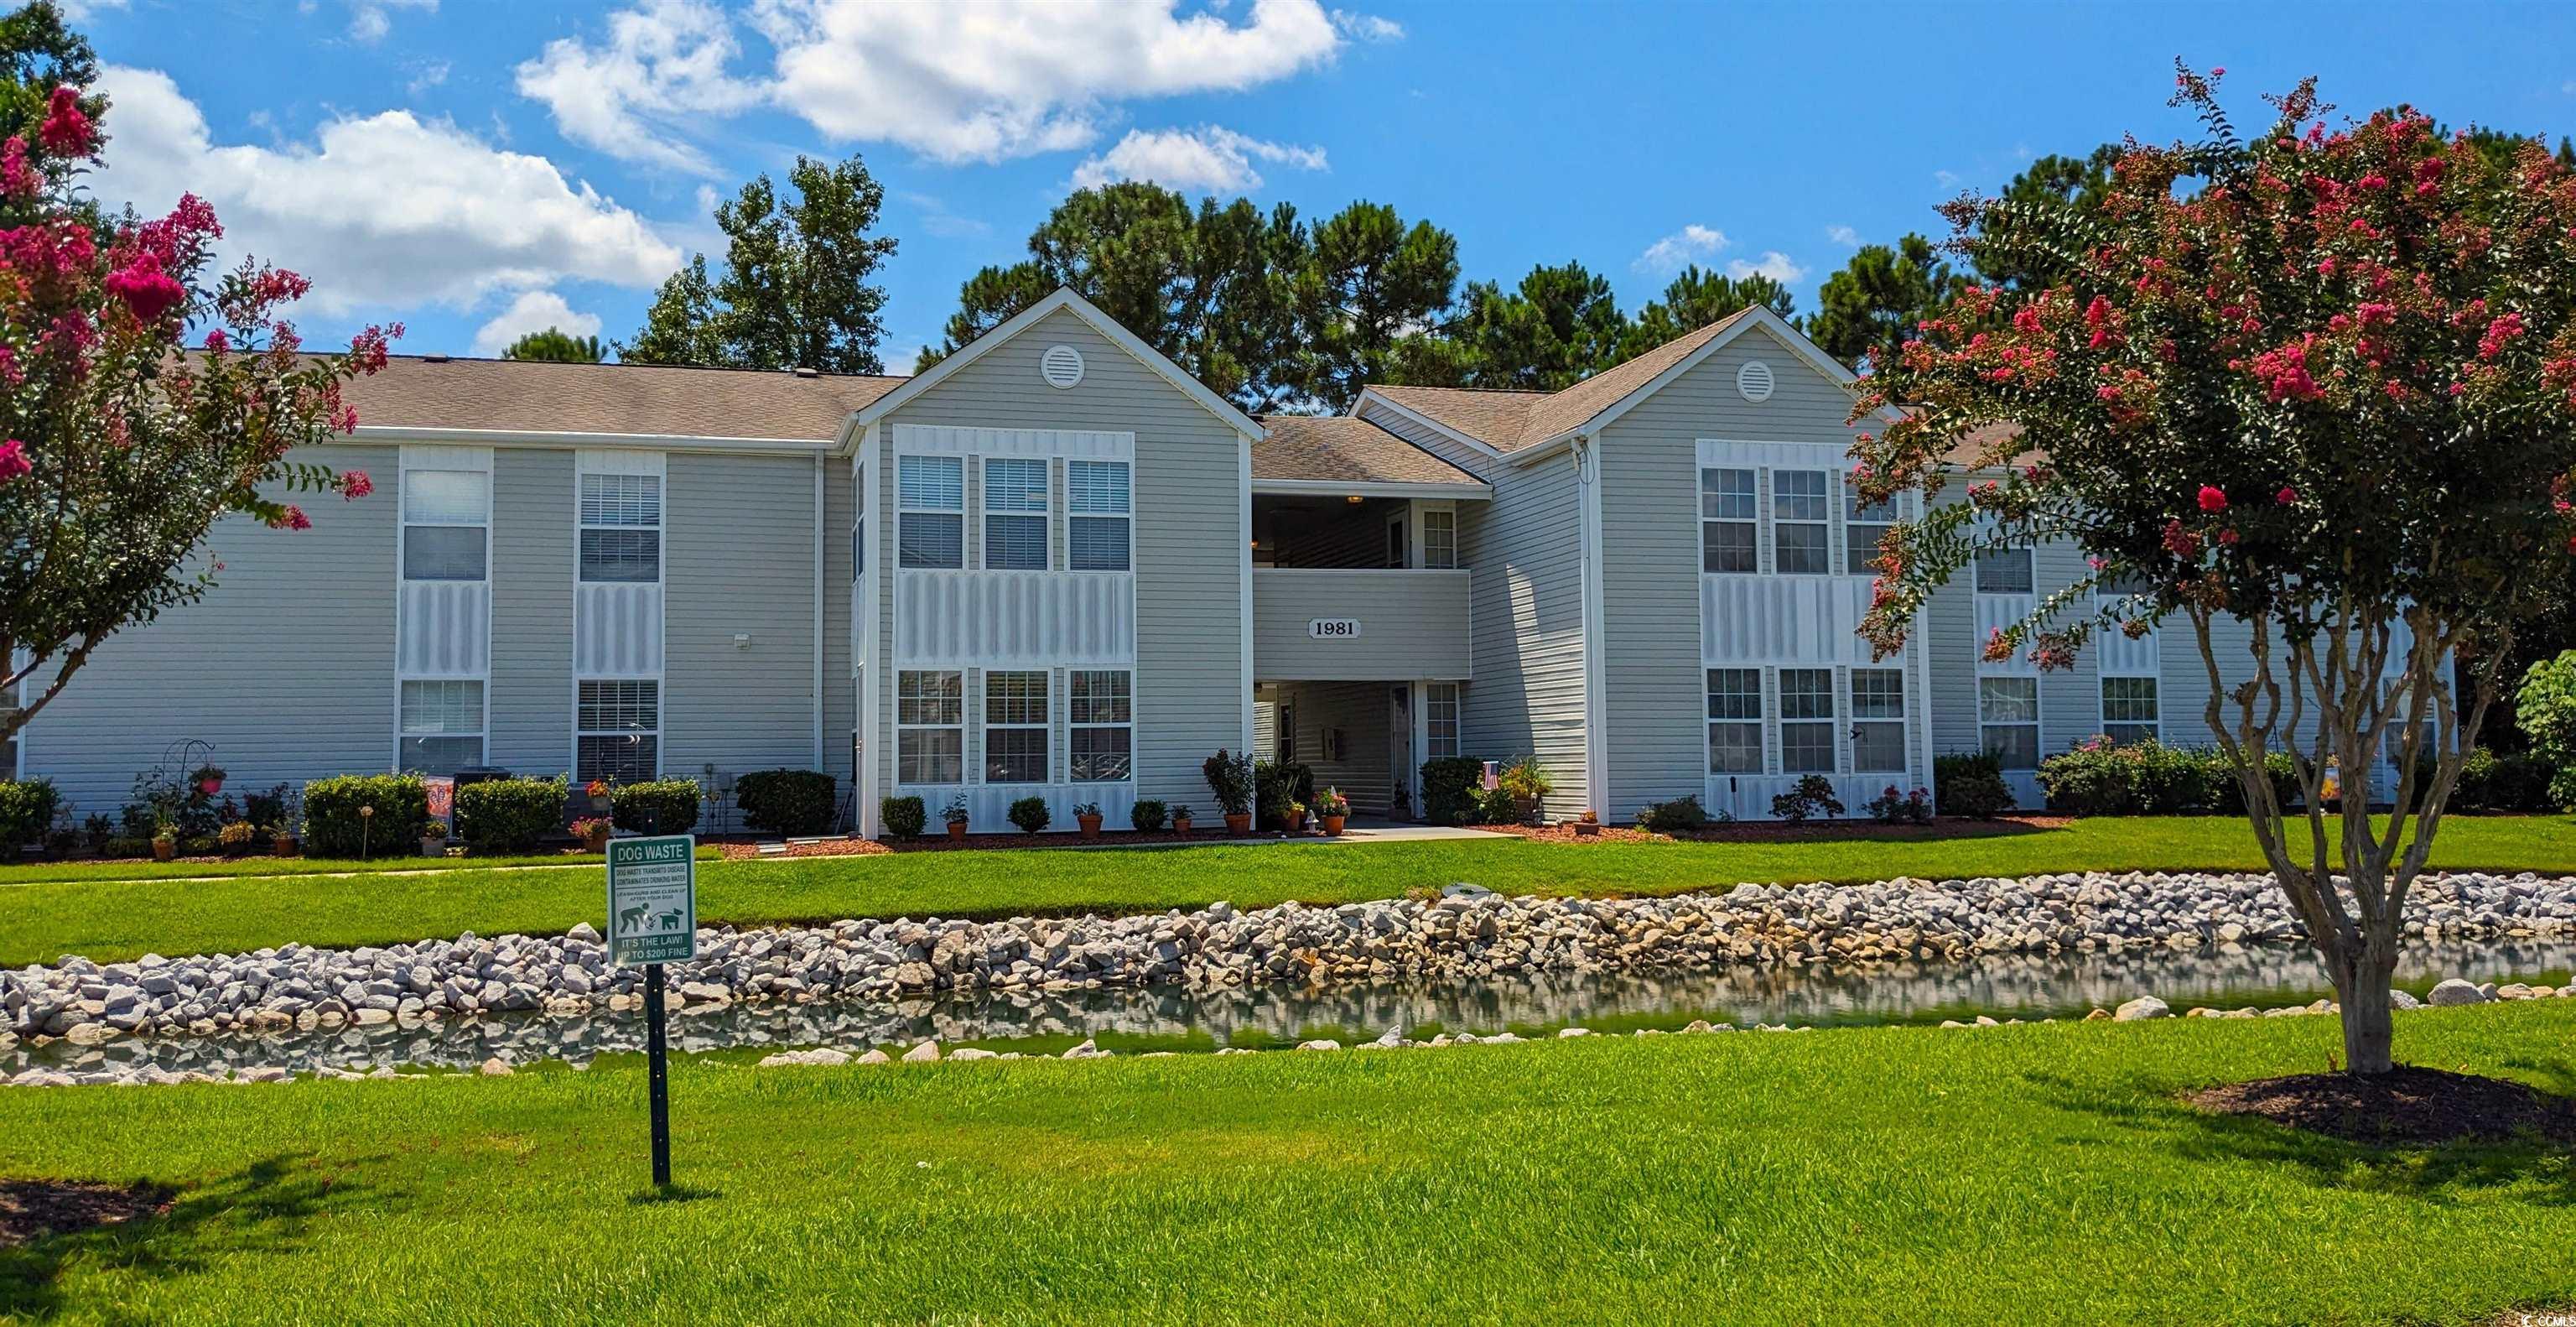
[33, 1209]
[1750, 831]
[2407, 1105]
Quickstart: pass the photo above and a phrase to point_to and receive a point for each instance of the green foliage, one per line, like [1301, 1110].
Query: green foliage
[509, 815]
[1147, 815]
[1229, 780]
[796, 289]
[336, 823]
[1559, 326]
[554, 345]
[1450, 785]
[38, 53]
[2516, 781]
[1971, 784]
[1030, 814]
[787, 801]
[904, 817]
[1525, 784]
[2054, 186]
[2545, 708]
[1280, 783]
[1681, 815]
[1872, 305]
[660, 806]
[1812, 795]
[26, 811]
[267, 810]
[1894, 806]
[1696, 298]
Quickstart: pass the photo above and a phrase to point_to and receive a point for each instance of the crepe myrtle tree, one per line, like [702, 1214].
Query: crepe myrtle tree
[2320, 383]
[118, 450]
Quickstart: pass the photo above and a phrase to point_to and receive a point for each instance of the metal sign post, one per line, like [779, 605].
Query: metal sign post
[653, 919]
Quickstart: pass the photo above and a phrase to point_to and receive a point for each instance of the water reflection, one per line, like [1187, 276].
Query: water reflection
[1179, 1018]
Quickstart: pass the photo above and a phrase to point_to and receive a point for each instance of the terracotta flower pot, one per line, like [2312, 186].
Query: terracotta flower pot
[1238, 824]
[164, 849]
[1296, 822]
[1181, 826]
[1090, 827]
[433, 847]
[282, 844]
[1584, 829]
[595, 841]
[957, 831]
[1332, 827]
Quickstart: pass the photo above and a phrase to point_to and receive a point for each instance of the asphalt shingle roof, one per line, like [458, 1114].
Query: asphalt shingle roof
[1341, 448]
[1509, 421]
[531, 396]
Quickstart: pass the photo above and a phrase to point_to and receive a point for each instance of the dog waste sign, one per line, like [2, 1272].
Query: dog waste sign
[652, 900]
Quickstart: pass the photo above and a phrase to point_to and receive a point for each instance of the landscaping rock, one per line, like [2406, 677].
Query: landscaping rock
[2454, 991]
[925, 1053]
[875, 1057]
[2144, 1007]
[1319, 1044]
[823, 1055]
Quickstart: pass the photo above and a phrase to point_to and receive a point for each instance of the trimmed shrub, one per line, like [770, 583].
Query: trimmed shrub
[661, 806]
[1497, 806]
[1030, 814]
[26, 810]
[1276, 784]
[1450, 786]
[333, 826]
[1971, 783]
[2227, 796]
[509, 815]
[1678, 816]
[1148, 815]
[1811, 796]
[787, 801]
[1229, 778]
[2515, 781]
[2545, 709]
[904, 817]
[1893, 806]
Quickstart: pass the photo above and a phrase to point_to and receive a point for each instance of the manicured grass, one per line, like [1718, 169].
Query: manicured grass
[111, 920]
[39, 872]
[2029, 1174]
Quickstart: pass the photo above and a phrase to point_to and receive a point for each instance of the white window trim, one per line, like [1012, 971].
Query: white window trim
[1073, 512]
[903, 508]
[1431, 702]
[1832, 494]
[660, 700]
[1045, 513]
[1976, 573]
[1853, 720]
[1423, 512]
[1760, 723]
[1071, 725]
[2038, 716]
[1899, 508]
[959, 727]
[661, 526]
[482, 733]
[413, 458]
[1044, 727]
[2102, 694]
[1752, 523]
[1831, 723]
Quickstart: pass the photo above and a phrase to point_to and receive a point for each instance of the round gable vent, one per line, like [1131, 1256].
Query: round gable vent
[1061, 366]
[1754, 380]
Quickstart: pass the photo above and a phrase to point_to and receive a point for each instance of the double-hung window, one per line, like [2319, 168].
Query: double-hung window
[1015, 514]
[1799, 514]
[2129, 710]
[447, 517]
[621, 528]
[1727, 513]
[617, 730]
[1863, 528]
[1878, 720]
[1015, 727]
[930, 511]
[1100, 726]
[2008, 719]
[442, 725]
[1440, 719]
[1806, 721]
[2005, 571]
[1735, 721]
[1439, 538]
[930, 726]
[1098, 502]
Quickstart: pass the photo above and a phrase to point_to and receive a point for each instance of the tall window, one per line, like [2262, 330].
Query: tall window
[1735, 721]
[1807, 720]
[1878, 720]
[1863, 527]
[930, 726]
[1440, 720]
[617, 731]
[446, 518]
[2129, 710]
[1015, 727]
[1286, 737]
[2008, 719]
[930, 511]
[1015, 514]
[1098, 497]
[621, 528]
[1439, 538]
[1798, 517]
[859, 529]
[2005, 571]
[442, 726]
[1100, 718]
[1727, 509]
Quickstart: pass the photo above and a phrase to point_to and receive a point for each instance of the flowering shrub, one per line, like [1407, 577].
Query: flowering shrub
[1811, 796]
[2320, 382]
[118, 452]
[1893, 806]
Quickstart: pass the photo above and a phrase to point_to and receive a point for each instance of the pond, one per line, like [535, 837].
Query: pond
[1179, 1018]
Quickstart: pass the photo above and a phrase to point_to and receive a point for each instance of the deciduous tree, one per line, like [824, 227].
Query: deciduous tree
[555, 345]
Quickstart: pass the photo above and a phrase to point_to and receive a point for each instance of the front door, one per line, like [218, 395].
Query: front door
[1399, 752]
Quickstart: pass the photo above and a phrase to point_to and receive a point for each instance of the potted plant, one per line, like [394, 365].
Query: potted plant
[956, 815]
[1181, 821]
[1230, 778]
[1296, 816]
[1087, 815]
[235, 837]
[1331, 810]
[281, 841]
[433, 838]
[602, 796]
[165, 841]
[593, 832]
[1588, 826]
[209, 779]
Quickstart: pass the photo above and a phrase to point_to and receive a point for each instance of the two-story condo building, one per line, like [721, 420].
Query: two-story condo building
[1055, 565]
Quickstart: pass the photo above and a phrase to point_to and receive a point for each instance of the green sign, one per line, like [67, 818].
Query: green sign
[652, 900]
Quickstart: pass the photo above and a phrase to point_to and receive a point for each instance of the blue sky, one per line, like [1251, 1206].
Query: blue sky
[471, 167]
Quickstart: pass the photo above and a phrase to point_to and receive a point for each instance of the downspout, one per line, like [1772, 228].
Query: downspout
[818, 610]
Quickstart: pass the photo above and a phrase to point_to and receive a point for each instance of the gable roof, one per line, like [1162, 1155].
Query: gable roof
[1490, 416]
[641, 400]
[1063, 299]
[1310, 448]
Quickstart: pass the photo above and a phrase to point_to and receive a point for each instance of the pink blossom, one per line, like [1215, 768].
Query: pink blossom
[355, 484]
[1998, 649]
[13, 460]
[2218, 71]
[2506, 327]
[2228, 535]
[67, 132]
[218, 342]
[2180, 542]
[292, 518]
[2212, 498]
[2287, 497]
[147, 290]
[17, 178]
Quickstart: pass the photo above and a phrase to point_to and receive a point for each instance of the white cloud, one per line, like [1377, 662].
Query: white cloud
[1211, 158]
[1946, 179]
[429, 75]
[379, 210]
[1844, 236]
[82, 11]
[370, 20]
[532, 311]
[1673, 252]
[1773, 264]
[662, 68]
[1367, 27]
[936, 218]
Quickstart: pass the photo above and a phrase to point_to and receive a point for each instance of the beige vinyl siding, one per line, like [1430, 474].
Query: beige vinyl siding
[532, 579]
[286, 666]
[1188, 530]
[840, 689]
[1948, 636]
[738, 558]
[1525, 550]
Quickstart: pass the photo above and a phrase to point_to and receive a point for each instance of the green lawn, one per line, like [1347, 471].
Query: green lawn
[2029, 1174]
[112, 919]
